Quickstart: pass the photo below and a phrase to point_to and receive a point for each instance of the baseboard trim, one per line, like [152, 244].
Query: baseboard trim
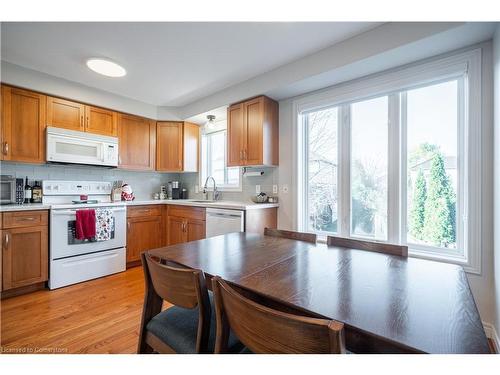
[492, 334]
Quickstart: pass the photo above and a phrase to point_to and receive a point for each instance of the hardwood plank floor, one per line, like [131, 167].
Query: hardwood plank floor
[98, 316]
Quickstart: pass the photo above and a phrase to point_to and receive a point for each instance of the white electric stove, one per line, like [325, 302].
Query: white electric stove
[72, 260]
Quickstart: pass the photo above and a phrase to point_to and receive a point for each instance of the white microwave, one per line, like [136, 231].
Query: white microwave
[74, 147]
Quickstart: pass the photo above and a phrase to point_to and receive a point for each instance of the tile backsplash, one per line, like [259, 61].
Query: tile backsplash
[266, 182]
[144, 184]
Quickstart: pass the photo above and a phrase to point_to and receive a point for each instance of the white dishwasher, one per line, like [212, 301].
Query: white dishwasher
[221, 221]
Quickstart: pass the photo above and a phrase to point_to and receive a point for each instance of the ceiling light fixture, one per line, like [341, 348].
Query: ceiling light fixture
[106, 67]
[210, 124]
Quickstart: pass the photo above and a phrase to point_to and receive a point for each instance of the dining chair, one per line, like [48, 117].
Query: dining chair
[186, 327]
[265, 330]
[368, 246]
[300, 236]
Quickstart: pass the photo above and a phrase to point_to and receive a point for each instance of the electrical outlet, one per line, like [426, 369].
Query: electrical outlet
[257, 189]
[196, 189]
[275, 189]
[285, 188]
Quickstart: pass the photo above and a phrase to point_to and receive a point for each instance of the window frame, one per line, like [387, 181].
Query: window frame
[466, 67]
[205, 157]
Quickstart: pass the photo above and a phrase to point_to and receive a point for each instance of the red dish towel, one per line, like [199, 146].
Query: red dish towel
[85, 224]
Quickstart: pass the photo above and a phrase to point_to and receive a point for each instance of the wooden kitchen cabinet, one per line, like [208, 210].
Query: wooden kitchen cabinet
[137, 142]
[185, 224]
[67, 114]
[25, 243]
[177, 146]
[22, 130]
[101, 121]
[144, 231]
[253, 135]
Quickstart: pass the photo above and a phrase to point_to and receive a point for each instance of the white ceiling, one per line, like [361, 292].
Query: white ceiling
[168, 64]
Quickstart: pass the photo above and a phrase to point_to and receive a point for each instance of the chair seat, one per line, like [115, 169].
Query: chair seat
[178, 328]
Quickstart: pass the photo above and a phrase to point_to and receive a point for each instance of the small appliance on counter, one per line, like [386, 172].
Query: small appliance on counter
[176, 190]
[11, 190]
[184, 194]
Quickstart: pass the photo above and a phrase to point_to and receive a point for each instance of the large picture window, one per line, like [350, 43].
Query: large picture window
[394, 167]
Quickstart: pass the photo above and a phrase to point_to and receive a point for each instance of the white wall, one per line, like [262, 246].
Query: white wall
[481, 285]
[48, 84]
[496, 68]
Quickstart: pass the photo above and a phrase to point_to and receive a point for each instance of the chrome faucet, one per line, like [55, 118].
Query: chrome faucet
[216, 193]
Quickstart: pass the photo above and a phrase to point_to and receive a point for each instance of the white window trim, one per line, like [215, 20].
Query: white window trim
[420, 73]
[226, 188]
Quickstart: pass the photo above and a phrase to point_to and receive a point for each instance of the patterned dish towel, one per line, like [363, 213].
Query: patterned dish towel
[104, 224]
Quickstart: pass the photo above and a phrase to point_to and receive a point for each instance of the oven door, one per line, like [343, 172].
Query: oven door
[63, 243]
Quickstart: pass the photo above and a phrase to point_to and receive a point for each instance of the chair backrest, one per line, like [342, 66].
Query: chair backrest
[182, 287]
[265, 330]
[367, 245]
[309, 237]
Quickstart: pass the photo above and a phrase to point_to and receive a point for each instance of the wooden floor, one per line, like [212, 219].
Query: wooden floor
[98, 316]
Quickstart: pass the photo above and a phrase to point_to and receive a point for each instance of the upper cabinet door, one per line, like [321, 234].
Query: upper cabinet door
[169, 146]
[100, 121]
[23, 125]
[253, 119]
[137, 142]
[65, 114]
[191, 147]
[236, 137]
[252, 133]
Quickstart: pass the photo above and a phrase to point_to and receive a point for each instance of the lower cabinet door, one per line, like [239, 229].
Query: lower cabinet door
[143, 233]
[176, 230]
[196, 230]
[25, 256]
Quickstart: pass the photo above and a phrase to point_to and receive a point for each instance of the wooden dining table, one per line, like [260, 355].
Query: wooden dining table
[388, 304]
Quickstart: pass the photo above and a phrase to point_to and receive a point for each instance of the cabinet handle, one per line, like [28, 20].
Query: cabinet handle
[6, 240]
[81, 121]
[128, 226]
[245, 154]
[6, 148]
[26, 218]
[241, 155]
[88, 122]
[119, 159]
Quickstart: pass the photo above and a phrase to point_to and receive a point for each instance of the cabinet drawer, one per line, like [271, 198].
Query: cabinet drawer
[22, 219]
[195, 213]
[138, 211]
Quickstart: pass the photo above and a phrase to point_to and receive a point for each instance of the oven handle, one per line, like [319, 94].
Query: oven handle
[73, 212]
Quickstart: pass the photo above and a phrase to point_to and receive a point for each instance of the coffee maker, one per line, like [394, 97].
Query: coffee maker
[176, 190]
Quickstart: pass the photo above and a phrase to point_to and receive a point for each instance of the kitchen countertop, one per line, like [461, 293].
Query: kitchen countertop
[234, 205]
[24, 207]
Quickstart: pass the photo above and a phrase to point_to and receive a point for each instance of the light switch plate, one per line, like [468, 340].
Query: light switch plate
[275, 189]
[196, 189]
[257, 189]
[285, 188]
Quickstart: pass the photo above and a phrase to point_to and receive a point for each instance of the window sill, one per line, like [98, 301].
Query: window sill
[459, 260]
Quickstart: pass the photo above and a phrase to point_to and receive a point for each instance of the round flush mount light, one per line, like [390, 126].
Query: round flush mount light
[106, 67]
